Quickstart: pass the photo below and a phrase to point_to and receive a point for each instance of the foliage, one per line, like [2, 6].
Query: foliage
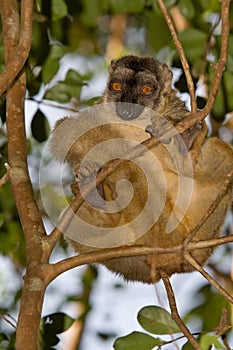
[82, 27]
[157, 320]
[51, 325]
[11, 234]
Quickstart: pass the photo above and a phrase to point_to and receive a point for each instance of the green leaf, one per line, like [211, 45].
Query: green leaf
[213, 5]
[10, 237]
[187, 346]
[91, 12]
[12, 340]
[51, 64]
[208, 340]
[192, 37]
[137, 341]
[187, 8]
[40, 126]
[210, 301]
[62, 92]
[50, 68]
[2, 219]
[52, 325]
[7, 202]
[3, 337]
[156, 24]
[122, 6]
[58, 322]
[59, 9]
[193, 41]
[156, 320]
[168, 3]
[74, 77]
[33, 81]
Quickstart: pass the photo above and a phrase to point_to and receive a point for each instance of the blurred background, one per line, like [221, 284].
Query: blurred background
[73, 43]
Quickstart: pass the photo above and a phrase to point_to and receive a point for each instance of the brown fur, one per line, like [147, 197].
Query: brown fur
[211, 158]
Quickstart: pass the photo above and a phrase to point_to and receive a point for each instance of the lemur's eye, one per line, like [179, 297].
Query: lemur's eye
[147, 89]
[116, 86]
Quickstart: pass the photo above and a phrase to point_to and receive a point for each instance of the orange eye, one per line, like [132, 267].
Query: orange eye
[147, 89]
[116, 86]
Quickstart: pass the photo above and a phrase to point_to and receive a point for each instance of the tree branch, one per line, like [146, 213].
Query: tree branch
[54, 270]
[182, 55]
[17, 41]
[17, 45]
[174, 312]
[17, 148]
[22, 48]
[204, 273]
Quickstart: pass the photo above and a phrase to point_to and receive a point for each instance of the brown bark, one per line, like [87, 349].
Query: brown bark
[33, 290]
[181, 53]
[174, 312]
[17, 41]
[21, 45]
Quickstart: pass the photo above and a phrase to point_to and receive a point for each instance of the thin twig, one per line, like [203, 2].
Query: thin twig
[209, 243]
[182, 55]
[6, 318]
[224, 323]
[214, 283]
[174, 312]
[208, 45]
[224, 340]
[50, 104]
[222, 276]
